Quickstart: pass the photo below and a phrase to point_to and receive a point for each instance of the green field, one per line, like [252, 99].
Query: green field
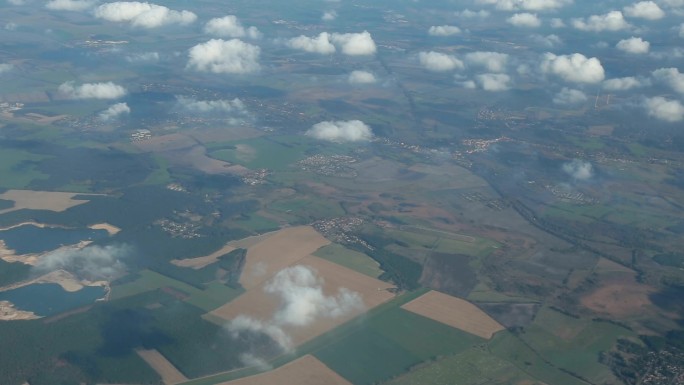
[273, 153]
[350, 258]
[18, 168]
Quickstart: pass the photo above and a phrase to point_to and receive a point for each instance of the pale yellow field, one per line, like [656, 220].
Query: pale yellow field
[200, 262]
[168, 372]
[306, 370]
[111, 229]
[454, 312]
[278, 251]
[40, 200]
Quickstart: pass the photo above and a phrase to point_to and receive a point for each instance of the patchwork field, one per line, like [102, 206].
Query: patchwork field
[169, 374]
[306, 370]
[454, 312]
[40, 200]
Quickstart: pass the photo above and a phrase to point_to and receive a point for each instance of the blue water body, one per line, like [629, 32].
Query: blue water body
[30, 239]
[46, 299]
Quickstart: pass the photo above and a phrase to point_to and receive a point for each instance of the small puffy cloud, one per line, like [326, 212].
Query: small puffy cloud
[670, 76]
[69, 5]
[468, 14]
[355, 44]
[341, 131]
[230, 26]
[439, 62]
[5, 67]
[611, 21]
[575, 68]
[491, 61]
[143, 57]
[568, 96]
[634, 45]
[320, 44]
[644, 10]
[92, 262]
[624, 84]
[526, 5]
[525, 19]
[557, 23]
[114, 111]
[579, 169]
[233, 109]
[361, 77]
[548, 41]
[106, 90]
[220, 56]
[493, 82]
[145, 15]
[329, 16]
[444, 30]
[664, 109]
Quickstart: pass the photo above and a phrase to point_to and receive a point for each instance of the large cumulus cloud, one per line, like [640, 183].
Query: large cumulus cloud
[220, 56]
[351, 44]
[575, 68]
[341, 131]
[230, 26]
[664, 109]
[611, 21]
[145, 15]
[106, 90]
[438, 62]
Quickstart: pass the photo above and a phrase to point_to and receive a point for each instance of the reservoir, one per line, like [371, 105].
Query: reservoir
[31, 239]
[46, 299]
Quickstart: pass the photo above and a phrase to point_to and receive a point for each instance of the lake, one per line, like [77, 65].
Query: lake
[31, 239]
[46, 299]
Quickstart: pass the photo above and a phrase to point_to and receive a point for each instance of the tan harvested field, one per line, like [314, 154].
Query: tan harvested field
[165, 369]
[40, 200]
[112, 230]
[454, 312]
[200, 262]
[257, 304]
[166, 143]
[278, 251]
[196, 157]
[307, 370]
[620, 297]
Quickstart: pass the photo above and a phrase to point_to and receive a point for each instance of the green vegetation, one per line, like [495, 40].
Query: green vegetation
[274, 153]
[161, 174]
[443, 242]
[670, 259]
[349, 258]
[18, 168]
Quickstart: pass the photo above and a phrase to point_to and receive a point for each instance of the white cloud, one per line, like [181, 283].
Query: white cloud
[579, 169]
[624, 84]
[444, 30]
[235, 110]
[361, 77]
[491, 61]
[341, 131]
[468, 14]
[220, 56]
[114, 111]
[143, 57]
[5, 67]
[329, 16]
[644, 10]
[230, 26]
[548, 41]
[634, 45]
[69, 5]
[568, 96]
[92, 262]
[320, 44]
[526, 5]
[557, 23]
[663, 109]
[671, 77]
[611, 21]
[355, 44]
[438, 62]
[575, 68]
[106, 90]
[493, 82]
[528, 20]
[145, 15]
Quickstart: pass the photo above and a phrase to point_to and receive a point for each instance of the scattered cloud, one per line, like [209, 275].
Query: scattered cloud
[91, 262]
[493, 82]
[355, 44]
[671, 77]
[624, 84]
[235, 110]
[106, 90]
[439, 62]
[575, 68]
[611, 21]
[557, 23]
[644, 10]
[579, 169]
[548, 41]
[69, 5]
[528, 20]
[144, 15]
[568, 97]
[5, 67]
[114, 111]
[491, 61]
[664, 109]
[230, 26]
[634, 45]
[220, 56]
[526, 5]
[329, 16]
[444, 30]
[341, 131]
[320, 44]
[361, 77]
[468, 14]
[143, 57]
